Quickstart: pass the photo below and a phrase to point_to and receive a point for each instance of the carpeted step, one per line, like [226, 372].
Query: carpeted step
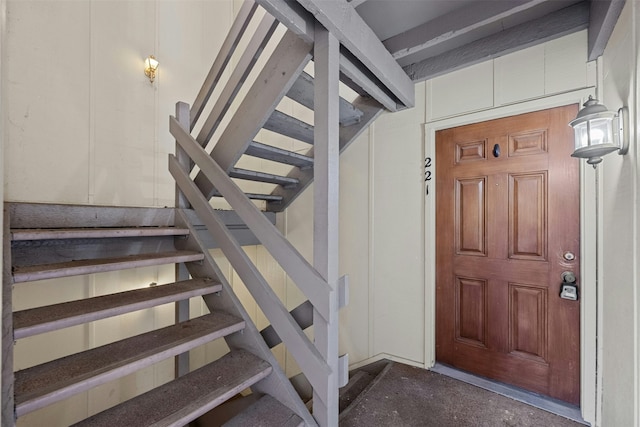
[52, 317]
[181, 401]
[90, 266]
[50, 382]
[266, 412]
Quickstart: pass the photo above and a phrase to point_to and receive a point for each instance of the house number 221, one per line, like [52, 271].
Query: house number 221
[427, 173]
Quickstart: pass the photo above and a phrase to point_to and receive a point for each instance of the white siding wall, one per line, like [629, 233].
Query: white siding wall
[620, 234]
[82, 124]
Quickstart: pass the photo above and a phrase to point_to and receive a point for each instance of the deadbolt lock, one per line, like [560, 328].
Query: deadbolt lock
[568, 288]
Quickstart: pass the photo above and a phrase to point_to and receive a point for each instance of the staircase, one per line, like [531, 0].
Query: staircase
[55, 241]
[58, 241]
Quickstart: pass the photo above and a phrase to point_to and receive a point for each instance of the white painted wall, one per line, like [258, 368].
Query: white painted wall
[83, 124]
[620, 233]
[88, 127]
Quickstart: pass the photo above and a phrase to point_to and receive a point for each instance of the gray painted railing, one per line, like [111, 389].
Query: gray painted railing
[318, 362]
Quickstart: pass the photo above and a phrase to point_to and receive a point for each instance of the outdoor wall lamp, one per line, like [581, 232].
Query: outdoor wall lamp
[150, 67]
[595, 134]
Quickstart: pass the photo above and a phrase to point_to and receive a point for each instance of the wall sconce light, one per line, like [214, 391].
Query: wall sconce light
[150, 67]
[595, 134]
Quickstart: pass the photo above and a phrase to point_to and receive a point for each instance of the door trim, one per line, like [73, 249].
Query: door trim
[590, 388]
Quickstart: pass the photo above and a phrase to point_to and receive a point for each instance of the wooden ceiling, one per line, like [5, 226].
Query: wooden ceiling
[432, 37]
[387, 45]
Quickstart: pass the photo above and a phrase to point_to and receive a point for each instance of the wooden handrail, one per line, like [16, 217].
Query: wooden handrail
[238, 28]
[306, 355]
[256, 45]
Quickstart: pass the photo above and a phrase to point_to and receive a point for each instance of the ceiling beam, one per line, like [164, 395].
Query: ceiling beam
[454, 25]
[341, 19]
[549, 27]
[602, 19]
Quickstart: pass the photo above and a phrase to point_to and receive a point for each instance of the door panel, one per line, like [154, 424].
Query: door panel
[470, 223]
[528, 216]
[508, 209]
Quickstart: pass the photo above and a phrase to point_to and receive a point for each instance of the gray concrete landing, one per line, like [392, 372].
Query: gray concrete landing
[404, 396]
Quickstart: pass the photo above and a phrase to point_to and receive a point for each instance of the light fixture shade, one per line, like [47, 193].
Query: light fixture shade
[150, 67]
[151, 62]
[594, 132]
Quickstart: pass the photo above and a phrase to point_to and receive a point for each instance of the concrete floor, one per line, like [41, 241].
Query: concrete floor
[404, 396]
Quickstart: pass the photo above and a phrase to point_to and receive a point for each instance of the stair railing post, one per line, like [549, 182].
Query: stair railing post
[326, 197]
[182, 307]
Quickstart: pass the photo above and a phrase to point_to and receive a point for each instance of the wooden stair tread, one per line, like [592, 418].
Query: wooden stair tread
[89, 266]
[254, 196]
[44, 384]
[93, 233]
[302, 92]
[52, 317]
[258, 176]
[266, 412]
[275, 154]
[181, 401]
[287, 125]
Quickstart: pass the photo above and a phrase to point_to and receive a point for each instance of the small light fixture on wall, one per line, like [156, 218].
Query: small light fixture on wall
[598, 131]
[150, 67]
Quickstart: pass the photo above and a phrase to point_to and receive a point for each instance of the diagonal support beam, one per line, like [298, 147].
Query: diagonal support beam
[236, 31]
[272, 84]
[341, 19]
[304, 275]
[454, 25]
[549, 27]
[370, 109]
[602, 18]
[344, 23]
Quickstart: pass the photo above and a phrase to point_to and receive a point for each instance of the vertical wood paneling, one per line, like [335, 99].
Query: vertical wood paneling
[470, 220]
[473, 91]
[619, 233]
[397, 278]
[528, 322]
[519, 75]
[47, 106]
[564, 63]
[471, 311]
[528, 216]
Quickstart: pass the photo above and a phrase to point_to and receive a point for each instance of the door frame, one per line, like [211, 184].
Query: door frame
[590, 311]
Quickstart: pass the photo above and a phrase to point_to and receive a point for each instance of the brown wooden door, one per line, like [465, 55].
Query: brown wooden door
[504, 222]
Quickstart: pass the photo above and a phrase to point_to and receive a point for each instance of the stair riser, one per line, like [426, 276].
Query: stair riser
[92, 269]
[45, 215]
[35, 252]
[95, 233]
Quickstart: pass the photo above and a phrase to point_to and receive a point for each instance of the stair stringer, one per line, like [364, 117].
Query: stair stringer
[250, 339]
[371, 109]
[7, 414]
